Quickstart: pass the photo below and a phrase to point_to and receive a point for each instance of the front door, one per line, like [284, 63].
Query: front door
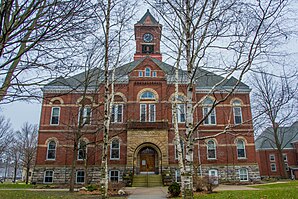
[147, 160]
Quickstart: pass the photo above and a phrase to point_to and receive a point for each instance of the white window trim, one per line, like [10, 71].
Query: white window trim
[239, 158]
[77, 177]
[149, 113]
[209, 116]
[274, 167]
[111, 151]
[84, 119]
[285, 155]
[79, 159]
[177, 171]
[214, 150]
[44, 177]
[271, 155]
[246, 175]
[240, 114]
[48, 150]
[116, 113]
[145, 105]
[141, 74]
[114, 176]
[52, 116]
[146, 72]
[154, 74]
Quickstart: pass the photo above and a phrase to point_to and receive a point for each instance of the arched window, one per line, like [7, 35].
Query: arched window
[211, 149]
[82, 150]
[243, 174]
[51, 152]
[147, 95]
[241, 149]
[147, 72]
[211, 117]
[237, 112]
[115, 150]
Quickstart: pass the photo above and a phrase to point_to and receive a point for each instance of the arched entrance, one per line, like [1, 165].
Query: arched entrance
[147, 159]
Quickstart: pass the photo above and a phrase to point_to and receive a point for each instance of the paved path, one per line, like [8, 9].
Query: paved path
[223, 187]
[147, 193]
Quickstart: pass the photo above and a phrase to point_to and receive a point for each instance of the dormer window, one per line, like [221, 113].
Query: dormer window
[140, 73]
[147, 72]
[154, 74]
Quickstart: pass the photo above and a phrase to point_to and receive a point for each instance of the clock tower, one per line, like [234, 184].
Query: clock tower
[147, 36]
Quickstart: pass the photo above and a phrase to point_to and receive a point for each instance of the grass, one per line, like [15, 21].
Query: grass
[16, 186]
[25, 194]
[288, 190]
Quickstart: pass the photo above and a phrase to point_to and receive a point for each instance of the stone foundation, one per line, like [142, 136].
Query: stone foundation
[225, 173]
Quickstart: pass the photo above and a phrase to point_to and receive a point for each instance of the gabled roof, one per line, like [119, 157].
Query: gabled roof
[204, 79]
[143, 21]
[288, 135]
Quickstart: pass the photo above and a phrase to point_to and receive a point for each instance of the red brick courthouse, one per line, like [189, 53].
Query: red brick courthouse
[142, 134]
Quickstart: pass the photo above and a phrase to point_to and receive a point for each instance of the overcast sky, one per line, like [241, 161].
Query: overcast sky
[21, 112]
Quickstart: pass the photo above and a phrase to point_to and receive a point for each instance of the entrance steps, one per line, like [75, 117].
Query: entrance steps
[144, 180]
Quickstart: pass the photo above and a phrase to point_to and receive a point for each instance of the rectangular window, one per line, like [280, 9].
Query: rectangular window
[143, 112]
[152, 112]
[115, 150]
[117, 113]
[237, 115]
[177, 175]
[272, 157]
[140, 73]
[285, 157]
[181, 113]
[48, 176]
[154, 74]
[55, 115]
[86, 115]
[243, 175]
[114, 175]
[273, 166]
[210, 119]
[80, 177]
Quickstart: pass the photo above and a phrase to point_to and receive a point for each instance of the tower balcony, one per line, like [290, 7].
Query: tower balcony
[147, 125]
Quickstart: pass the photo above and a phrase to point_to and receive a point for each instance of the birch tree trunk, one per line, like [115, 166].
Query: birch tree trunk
[104, 163]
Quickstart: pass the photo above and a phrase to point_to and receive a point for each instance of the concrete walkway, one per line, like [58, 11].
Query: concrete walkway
[147, 193]
[223, 187]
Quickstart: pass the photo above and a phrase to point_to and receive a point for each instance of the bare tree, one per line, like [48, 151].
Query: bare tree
[5, 134]
[27, 138]
[235, 32]
[38, 38]
[275, 103]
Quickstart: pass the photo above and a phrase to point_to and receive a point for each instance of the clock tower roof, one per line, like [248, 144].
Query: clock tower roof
[147, 20]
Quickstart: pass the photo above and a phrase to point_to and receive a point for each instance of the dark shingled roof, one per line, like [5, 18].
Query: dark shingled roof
[204, 79]
[288, 135]
[147, 14]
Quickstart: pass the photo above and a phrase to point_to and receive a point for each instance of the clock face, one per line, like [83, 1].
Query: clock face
[148, 37]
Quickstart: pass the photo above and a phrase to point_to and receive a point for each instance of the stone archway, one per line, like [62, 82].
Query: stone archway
[147, 159]
[155, 139]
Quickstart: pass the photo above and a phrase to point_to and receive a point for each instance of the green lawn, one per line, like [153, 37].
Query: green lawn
[7, 185]
[287, 190]
[25, 194]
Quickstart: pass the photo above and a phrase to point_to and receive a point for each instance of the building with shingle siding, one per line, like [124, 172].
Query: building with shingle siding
[141, 131]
